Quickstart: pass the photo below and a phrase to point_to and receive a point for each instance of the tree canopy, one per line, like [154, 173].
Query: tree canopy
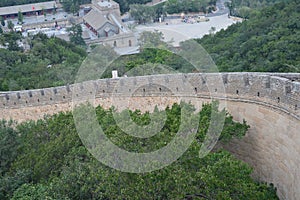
[179, 6]
[73, 6]
[49, 62]
[125, 4]
[46, 159]
[142, 13]
[267, 42]
[243, 8]
[75, 33]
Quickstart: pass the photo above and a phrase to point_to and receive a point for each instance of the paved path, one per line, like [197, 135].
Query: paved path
[155, 2]
[179, 31]
[221, 9]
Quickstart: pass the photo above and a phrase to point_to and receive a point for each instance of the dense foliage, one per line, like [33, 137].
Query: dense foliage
[268, 42]
[255, 3]
[243, 8]
[73, 6]
[144, 13]
[49, 62]
[179, 6]
[46, 160]
[75, 34]
[125, 4]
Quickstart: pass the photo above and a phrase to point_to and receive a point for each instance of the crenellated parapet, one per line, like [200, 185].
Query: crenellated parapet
[270, 89]
[269, 102]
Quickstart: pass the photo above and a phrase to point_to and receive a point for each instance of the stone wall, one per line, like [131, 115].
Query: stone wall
[273, 91]
[120, 41]
[270, 103]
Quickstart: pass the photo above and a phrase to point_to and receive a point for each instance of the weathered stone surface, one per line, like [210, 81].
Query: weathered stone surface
[270, 103]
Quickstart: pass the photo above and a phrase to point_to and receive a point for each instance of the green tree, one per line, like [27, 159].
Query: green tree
[9, 143]
[32, 191]
[20, 17]
[10, 25]
[154, 39]
[73, 6]
[142, 13]
[28, 70]
[12, 39]
[73, 9]
[178, 6]
[259, 43]
[212, 30]
[125, 4]
[231, 7]
[159, 11]
[75, 33]
[244, 12]
[2, 21]
[10, 182]
[54, 9]
[44, 13]
[56, 165]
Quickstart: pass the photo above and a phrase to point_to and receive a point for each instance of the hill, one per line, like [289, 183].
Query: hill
[268, 42]
[243, 8]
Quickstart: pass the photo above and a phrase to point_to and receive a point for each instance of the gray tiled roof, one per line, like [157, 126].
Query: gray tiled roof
[95, 19]
[27, 8]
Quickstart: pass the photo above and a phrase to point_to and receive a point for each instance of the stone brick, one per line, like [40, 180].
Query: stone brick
[269, 102]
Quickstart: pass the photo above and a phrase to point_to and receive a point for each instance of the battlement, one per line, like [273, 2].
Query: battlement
[269, 102]
[274, 89]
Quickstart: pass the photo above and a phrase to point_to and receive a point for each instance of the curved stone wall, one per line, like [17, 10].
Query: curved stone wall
[270, 103]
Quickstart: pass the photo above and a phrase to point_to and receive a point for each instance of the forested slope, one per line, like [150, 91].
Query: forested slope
[49, 62]
[46, 160]
[268, 42]
[243, 8]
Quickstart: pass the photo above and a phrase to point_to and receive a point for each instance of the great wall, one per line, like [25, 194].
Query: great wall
[269, 102]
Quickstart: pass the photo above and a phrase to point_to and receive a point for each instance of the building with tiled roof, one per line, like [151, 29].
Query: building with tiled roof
[100, 24]
[27, 9]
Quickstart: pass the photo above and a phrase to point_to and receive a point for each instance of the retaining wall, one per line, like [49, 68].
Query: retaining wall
[270, 103]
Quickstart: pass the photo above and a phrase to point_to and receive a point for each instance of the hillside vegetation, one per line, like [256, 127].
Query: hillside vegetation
[268, 42]
[178, 6]
[244, 8]
[49, 62]
[47, 160]
[125, 4]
